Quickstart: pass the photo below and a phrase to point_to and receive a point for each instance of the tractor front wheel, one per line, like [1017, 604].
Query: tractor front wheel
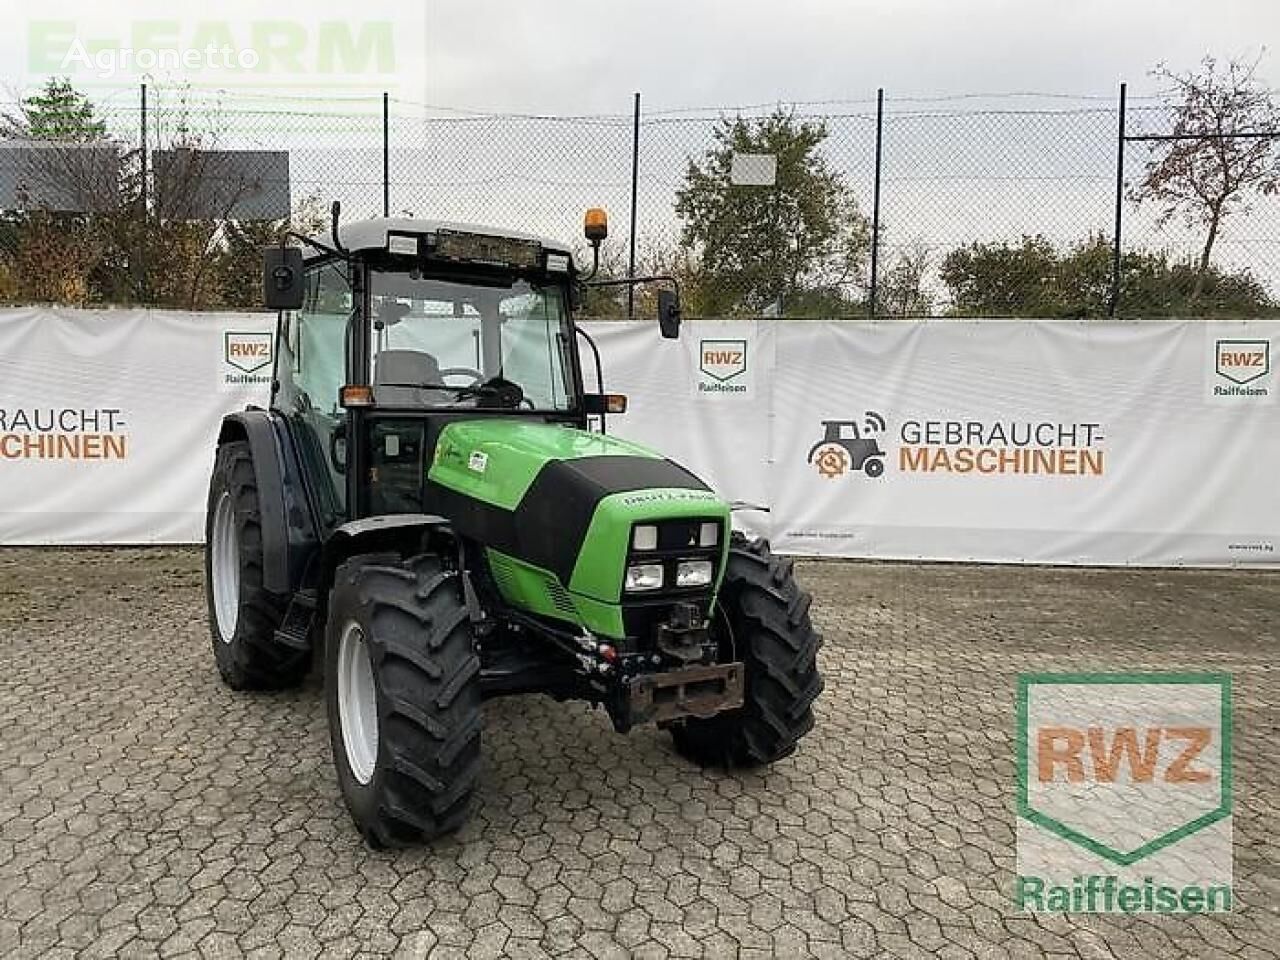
[243, 615]
[762, 619]
[402, 685]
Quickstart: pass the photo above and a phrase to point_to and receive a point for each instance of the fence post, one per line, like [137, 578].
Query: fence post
[1115, 246]
[635, 180]
[875, 208]
[386, 154]
[142, 193]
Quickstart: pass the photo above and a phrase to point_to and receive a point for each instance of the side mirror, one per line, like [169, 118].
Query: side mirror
[282, 287]
[338, 447]
[669, 314]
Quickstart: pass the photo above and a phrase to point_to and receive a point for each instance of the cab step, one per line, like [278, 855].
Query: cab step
[295, 630]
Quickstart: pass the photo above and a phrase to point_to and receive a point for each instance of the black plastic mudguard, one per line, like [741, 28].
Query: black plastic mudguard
[289, 533]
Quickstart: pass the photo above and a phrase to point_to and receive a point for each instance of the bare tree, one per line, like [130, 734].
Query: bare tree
[89, 227]
[1226, 151]
[64, 169]
[903, 292]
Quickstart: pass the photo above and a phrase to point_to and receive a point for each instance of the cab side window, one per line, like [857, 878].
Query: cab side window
[313, 370]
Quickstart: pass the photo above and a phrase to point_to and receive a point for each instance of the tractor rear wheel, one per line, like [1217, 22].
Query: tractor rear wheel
[761, 618]
[402, 685]
[243, 615]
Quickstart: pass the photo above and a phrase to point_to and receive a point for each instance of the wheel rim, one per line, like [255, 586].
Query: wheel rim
[357, 703]
[225, 554]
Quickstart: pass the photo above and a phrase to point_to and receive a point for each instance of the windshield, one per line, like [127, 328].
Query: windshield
[439, 343]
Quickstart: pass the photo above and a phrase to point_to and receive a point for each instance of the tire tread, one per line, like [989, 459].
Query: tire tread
[769, 617]
[430, 718]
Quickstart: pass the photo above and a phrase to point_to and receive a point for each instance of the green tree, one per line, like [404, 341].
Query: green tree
[802, 242]
[1218, 163]
[1033, 278]
[118, 249]
[999, 279]
[58, 112]
[237, 262]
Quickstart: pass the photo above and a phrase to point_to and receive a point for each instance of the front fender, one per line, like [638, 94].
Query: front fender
[288, 529]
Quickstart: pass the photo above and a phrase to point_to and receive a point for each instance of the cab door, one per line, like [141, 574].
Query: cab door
[310, 372]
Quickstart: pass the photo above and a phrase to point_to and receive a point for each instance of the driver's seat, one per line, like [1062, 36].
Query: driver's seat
[393, 368]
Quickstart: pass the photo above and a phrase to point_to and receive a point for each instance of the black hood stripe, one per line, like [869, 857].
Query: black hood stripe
[548, 526]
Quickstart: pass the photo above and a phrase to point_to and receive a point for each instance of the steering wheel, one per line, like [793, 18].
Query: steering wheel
[476, 376]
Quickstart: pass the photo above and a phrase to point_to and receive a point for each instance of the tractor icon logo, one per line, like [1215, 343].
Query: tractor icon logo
[848, 446]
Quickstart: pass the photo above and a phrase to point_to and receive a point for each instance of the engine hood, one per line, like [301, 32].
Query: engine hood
[561, 499]
[498, 460]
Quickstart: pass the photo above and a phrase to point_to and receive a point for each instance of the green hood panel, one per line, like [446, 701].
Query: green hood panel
[554, 508]
[598, 572]
[497, 460]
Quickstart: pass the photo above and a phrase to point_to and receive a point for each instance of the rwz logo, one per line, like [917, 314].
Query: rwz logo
[247, 352]
[1061, 754]
[1124, 765]
[723, 359]
[1242, 361]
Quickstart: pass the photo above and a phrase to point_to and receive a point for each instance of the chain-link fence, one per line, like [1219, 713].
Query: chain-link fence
[1009, 205]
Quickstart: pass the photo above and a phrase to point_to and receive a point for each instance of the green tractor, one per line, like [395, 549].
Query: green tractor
[426, 508]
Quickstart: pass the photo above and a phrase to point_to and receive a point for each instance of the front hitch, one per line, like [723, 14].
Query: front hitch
[695, 688]
[699, 691]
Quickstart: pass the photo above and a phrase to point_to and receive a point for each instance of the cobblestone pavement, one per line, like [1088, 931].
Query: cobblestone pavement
[145, 809]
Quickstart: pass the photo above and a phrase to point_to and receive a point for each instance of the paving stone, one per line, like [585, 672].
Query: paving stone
[147, 810]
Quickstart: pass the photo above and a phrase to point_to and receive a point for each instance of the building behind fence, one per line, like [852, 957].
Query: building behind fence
[1016, 205]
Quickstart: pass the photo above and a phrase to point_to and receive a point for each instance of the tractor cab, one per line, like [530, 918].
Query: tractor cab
[398, 327]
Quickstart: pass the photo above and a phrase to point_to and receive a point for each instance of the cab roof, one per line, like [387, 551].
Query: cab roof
[372, 234]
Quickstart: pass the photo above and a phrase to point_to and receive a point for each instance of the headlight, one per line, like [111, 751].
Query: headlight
[709, 535]
[644, 576]
[645, 537]
[693, 573]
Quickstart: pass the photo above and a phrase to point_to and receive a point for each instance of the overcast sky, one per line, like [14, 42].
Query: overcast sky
[575, 55]
[945, 182]
[589, 56]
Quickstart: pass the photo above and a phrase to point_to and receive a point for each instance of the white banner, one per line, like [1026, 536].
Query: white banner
[1009, 441]
[108, 419]
[1004, 441]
